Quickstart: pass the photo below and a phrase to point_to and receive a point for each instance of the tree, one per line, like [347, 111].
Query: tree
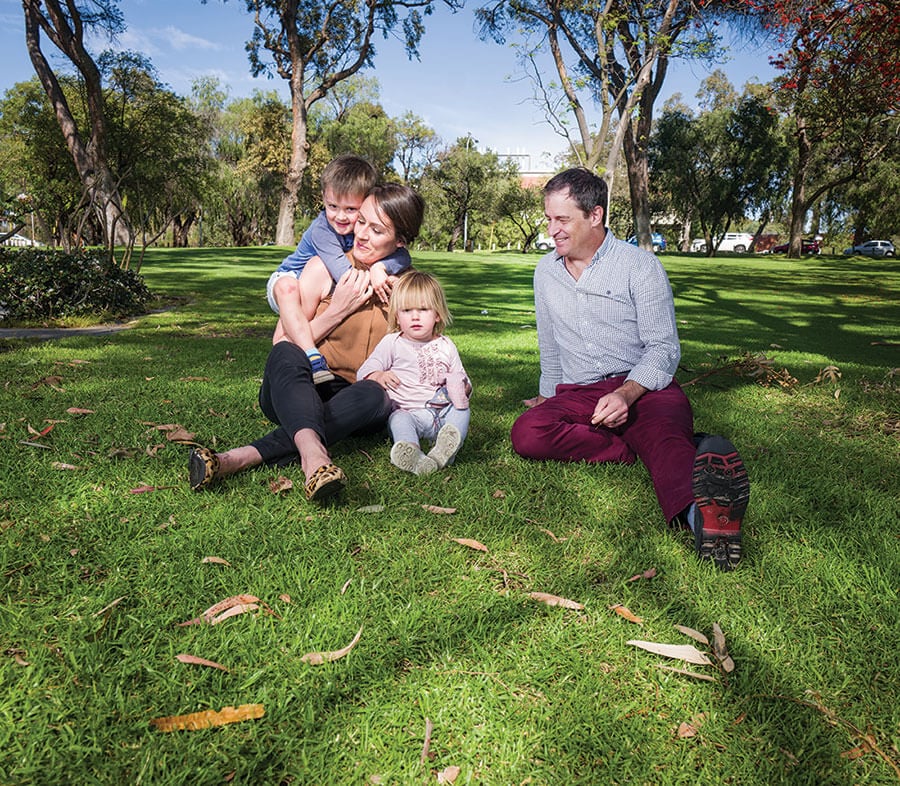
[617, 53]
[158, 147]
[35, 162]
[417, 146]
[252, 150]
[719, 166]
[65, 26]
[461, 191]
[524, 207]
[314, 46]
[841, 86]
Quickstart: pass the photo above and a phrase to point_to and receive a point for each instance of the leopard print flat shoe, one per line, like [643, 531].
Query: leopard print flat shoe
[203, 468]
[325, 482]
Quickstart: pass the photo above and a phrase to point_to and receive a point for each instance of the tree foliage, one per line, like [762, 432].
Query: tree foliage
[720, 166]
[840, 84]
[610, 56]
[314, 46]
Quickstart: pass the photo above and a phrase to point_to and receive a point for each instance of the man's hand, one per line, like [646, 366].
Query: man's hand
[381, 282]
[612, 410]
[530, 403]
[387, 379]
[352, 291]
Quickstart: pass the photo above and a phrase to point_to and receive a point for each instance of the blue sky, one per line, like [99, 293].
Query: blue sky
[460, 85]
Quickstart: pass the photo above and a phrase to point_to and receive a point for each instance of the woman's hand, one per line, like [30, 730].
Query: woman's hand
[352, 291]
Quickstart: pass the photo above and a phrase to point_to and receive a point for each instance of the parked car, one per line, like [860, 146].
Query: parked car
[738, 242]
[544, 243]
[658, 241]
[21, 240]
[872, 248]
[807, 246]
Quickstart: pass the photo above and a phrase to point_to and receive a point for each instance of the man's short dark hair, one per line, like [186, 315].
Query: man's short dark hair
[587, 189]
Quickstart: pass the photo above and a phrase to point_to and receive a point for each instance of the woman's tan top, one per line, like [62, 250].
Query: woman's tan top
[350, 343]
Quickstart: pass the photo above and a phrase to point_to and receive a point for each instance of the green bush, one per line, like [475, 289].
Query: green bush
[51, 284]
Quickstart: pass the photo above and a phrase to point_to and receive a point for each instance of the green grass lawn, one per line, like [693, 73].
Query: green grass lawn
[795, 361]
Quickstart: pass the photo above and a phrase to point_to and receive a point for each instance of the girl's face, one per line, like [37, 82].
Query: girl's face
[375, 237]
[417, 323]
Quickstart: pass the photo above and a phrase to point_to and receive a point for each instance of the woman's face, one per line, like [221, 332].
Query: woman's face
[375, 237]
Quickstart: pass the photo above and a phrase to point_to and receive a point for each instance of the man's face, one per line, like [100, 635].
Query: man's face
[341, 211]
[575, 234]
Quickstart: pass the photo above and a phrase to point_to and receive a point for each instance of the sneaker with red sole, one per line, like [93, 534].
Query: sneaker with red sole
[721, 493]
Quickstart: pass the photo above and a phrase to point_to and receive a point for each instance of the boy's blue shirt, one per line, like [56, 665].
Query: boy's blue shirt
[322, 241]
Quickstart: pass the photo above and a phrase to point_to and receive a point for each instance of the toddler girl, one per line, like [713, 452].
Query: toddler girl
[421, 371]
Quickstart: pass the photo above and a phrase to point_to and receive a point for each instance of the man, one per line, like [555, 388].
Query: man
[609, 351]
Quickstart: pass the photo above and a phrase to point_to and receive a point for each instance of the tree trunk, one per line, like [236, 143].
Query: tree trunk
[89, 159]
[798, 197]
[284, 229]
[638, 168]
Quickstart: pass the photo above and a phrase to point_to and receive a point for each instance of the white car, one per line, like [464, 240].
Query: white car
[544, 243]
[872, 248]
[738, 242]
[20, 240]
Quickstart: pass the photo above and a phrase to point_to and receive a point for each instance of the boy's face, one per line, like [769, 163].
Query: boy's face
[341, 211]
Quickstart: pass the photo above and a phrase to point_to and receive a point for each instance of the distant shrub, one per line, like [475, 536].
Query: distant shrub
[38, 284]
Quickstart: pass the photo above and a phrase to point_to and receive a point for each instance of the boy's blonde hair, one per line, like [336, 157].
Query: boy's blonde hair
[349, 175]
[417, 289]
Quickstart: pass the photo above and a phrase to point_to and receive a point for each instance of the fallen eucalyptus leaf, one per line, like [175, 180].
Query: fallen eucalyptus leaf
[371, 509]
[318, 658]
[685, 652]
[686, 673]
[438, 510]
[193, 659]
[448, 774]
[233, 611]
[555, 600]
[472, 544]
[216, 561]
[624, 611]
[696, 635]
[219, 607]
[647, 574]
[203, 720]
[720, 650]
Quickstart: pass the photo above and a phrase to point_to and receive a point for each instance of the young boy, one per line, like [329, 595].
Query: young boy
[345, 182]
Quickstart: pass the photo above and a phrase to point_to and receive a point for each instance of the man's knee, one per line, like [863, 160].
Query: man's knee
[526, 440]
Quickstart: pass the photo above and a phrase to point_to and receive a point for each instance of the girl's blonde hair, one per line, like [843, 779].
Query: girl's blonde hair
[417, 289]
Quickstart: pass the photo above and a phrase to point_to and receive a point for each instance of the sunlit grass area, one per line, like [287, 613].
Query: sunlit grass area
[104, 552]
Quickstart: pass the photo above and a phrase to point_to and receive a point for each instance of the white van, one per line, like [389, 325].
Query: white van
[738, 242]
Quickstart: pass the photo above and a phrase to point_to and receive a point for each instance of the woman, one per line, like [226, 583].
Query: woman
[347, 326]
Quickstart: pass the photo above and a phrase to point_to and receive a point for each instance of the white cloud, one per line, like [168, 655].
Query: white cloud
[178, 39]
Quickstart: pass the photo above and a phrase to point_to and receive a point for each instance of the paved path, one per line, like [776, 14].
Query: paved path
[48, 333]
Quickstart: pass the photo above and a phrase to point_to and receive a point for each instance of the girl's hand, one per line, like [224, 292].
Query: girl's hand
[387, 379]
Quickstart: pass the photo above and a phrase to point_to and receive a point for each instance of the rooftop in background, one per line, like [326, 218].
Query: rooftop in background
[532, 173]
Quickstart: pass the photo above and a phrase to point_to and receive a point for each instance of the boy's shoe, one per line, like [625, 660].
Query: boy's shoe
[721, 493]
[321, 372]
[446, 444]
[409, 457]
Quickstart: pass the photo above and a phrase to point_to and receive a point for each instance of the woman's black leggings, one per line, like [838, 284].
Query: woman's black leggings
[334, 410]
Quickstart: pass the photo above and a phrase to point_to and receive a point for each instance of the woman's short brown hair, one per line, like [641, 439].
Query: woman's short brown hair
[403, 206]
